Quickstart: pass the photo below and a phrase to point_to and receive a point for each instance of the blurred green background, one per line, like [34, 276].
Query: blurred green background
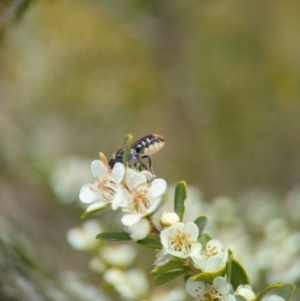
[219, 79]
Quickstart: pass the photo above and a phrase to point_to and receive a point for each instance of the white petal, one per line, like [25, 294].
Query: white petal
[147, 174]
[134, 178]
[98, 168]
[233, 298]
[245, 291]
[96, 206]
[118, 172]
[88, 193]
[222, 285]
[140, 229]
[196, 249]
[158, 187]
[117, 200]
[164, 238]
[273, 298]
[195, 288]
[214, 243]
[193, 230]
[131, 219]
[154, 206]
[163, 260]
[177, 228]
[213, 264]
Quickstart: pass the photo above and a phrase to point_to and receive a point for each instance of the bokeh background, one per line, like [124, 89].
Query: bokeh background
[219, 79]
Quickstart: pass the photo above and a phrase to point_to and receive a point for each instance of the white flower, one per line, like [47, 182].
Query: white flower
[67, 177]
[118, 255]
[131, 285]
[97, 265]
[181, 240]
[83, 238]
[245, 291]
[219, 290]
[213, 258]
[144, 198]
[168, 218]
[107, 189]
[273, 298]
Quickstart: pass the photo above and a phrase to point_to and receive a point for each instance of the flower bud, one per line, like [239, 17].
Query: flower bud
[168, 218]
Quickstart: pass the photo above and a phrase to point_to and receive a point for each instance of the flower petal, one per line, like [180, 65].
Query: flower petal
[195, 288]
[96, 206]
[98, 168]
[140, 229]
[134, 178]
[117, 200]
[118, 172]
[154, 206]
[148, 175]
[131, 219]
[158, 187]
[222, 285]
[192, 229]
[88, 193]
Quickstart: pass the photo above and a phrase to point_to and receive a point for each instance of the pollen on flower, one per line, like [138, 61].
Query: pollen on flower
[211, 251]
[181, 241]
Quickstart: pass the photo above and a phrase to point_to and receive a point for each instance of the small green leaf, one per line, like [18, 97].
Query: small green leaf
[268, 290]
[240, 298]
[201, 223]
[171, 265]
[204, 239]
[203, 277]
[127, 147]
[283, 290]
[150, 243]
[165, 277]
[286, 291]
[114, 236]
[238, 275]
[229, 265]
[179, 199]
[88, 213]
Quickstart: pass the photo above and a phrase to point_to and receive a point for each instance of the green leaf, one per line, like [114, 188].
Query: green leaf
[229, 265]
[201, 223]
[240, 298]
[171, 265]
[127, 147]
[286, 291]
[283, 290]
[88, 213]
[168, 276]
[238, 275]
[268, 290]
[114, 236]
[179, 199]
[150, 243]
[204, 277]
[204, 239]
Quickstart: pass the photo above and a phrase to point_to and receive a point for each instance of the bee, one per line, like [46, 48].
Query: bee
[140, 149]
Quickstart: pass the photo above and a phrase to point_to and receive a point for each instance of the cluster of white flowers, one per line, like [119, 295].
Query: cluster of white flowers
[139, 195]
[181, 240]
[136, 193]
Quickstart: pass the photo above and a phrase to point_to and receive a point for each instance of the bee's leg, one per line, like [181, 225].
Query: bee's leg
[149, 163]
[143, 165]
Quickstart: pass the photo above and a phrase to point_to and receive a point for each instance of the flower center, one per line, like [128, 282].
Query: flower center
[181, 241]
[210, 251]
[107, 187]
[141, 200]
